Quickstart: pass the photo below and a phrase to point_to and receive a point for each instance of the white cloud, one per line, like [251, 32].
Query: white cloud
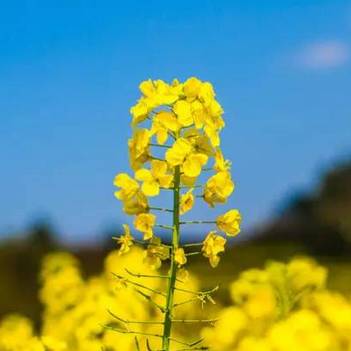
[326, 54]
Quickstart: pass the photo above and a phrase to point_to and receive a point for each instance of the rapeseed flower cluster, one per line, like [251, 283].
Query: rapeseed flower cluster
[175, 142]
[282, 307]
[184, 120]
[81, 315]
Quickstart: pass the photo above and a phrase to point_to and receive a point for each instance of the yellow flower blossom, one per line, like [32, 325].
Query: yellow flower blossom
[303, 330]
[163, 123]
[137, 204]
[129, 186]
[212, 246]
[183, 111]
[252, 343]
[192, 87]
[213, 135]
[183, 275]
[154, 178]
[304, 273]
[186, 202]
[182, 153]
[139, 152]
[15, 331]
[178, 152]
[125, 241]
[53, 344]
[139, 111]
[155, 253]
[229, 222]
[206, 94]
[187, 181]
[218, 188]
[199, 141]
[221, 164]
[179, 256]
[199, 114]
[159, 92]
[144, 222]
[232, 322]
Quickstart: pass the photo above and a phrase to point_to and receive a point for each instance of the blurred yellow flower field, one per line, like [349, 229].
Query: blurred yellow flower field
[283, 306]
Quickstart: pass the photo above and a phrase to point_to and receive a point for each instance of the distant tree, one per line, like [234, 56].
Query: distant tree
[319, 220]
[333, 204]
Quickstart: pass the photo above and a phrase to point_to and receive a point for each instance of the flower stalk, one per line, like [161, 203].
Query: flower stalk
[173, 268]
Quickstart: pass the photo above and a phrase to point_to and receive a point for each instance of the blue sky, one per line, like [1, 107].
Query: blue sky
[70, 71]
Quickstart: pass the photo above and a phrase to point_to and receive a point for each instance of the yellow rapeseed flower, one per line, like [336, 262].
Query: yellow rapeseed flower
[182, 153]
[179, 256]
[154, 178]
[212, 246]
[125, 241]
[192, 87]
[137, 204]
[218, 188]
[144, 222]
[139, 152]
[221, 164]
[163, 123]
[229, 222]
[186, 202]
[183, 111]
[139, 111]
[155, 253]
[129, 186]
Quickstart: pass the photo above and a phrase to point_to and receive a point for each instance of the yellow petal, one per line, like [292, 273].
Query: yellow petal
[177, 153]
[161, 136]
[150, 188]
[168, 120]
[183, 111]
[143, 175]
[158, 167]
[165, 180]
[193, 164]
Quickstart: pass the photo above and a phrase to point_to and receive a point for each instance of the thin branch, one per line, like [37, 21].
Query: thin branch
[139, 285]
[197, 222]
[191, 186]
[138, 275]
[156, 158]
[163, 146]
[148, 243]
[160, 209]
[192, 244]
[187, 343]
[193, 253]
[131, 332]
[148, 297]
[195, 320]
[132, 322]
[186, 302]
[143, 243]
[163, 226]
[205, 292]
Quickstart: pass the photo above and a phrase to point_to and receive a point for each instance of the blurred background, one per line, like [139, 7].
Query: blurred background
[69, 74]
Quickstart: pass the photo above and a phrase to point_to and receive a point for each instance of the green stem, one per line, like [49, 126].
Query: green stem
[173, 269]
